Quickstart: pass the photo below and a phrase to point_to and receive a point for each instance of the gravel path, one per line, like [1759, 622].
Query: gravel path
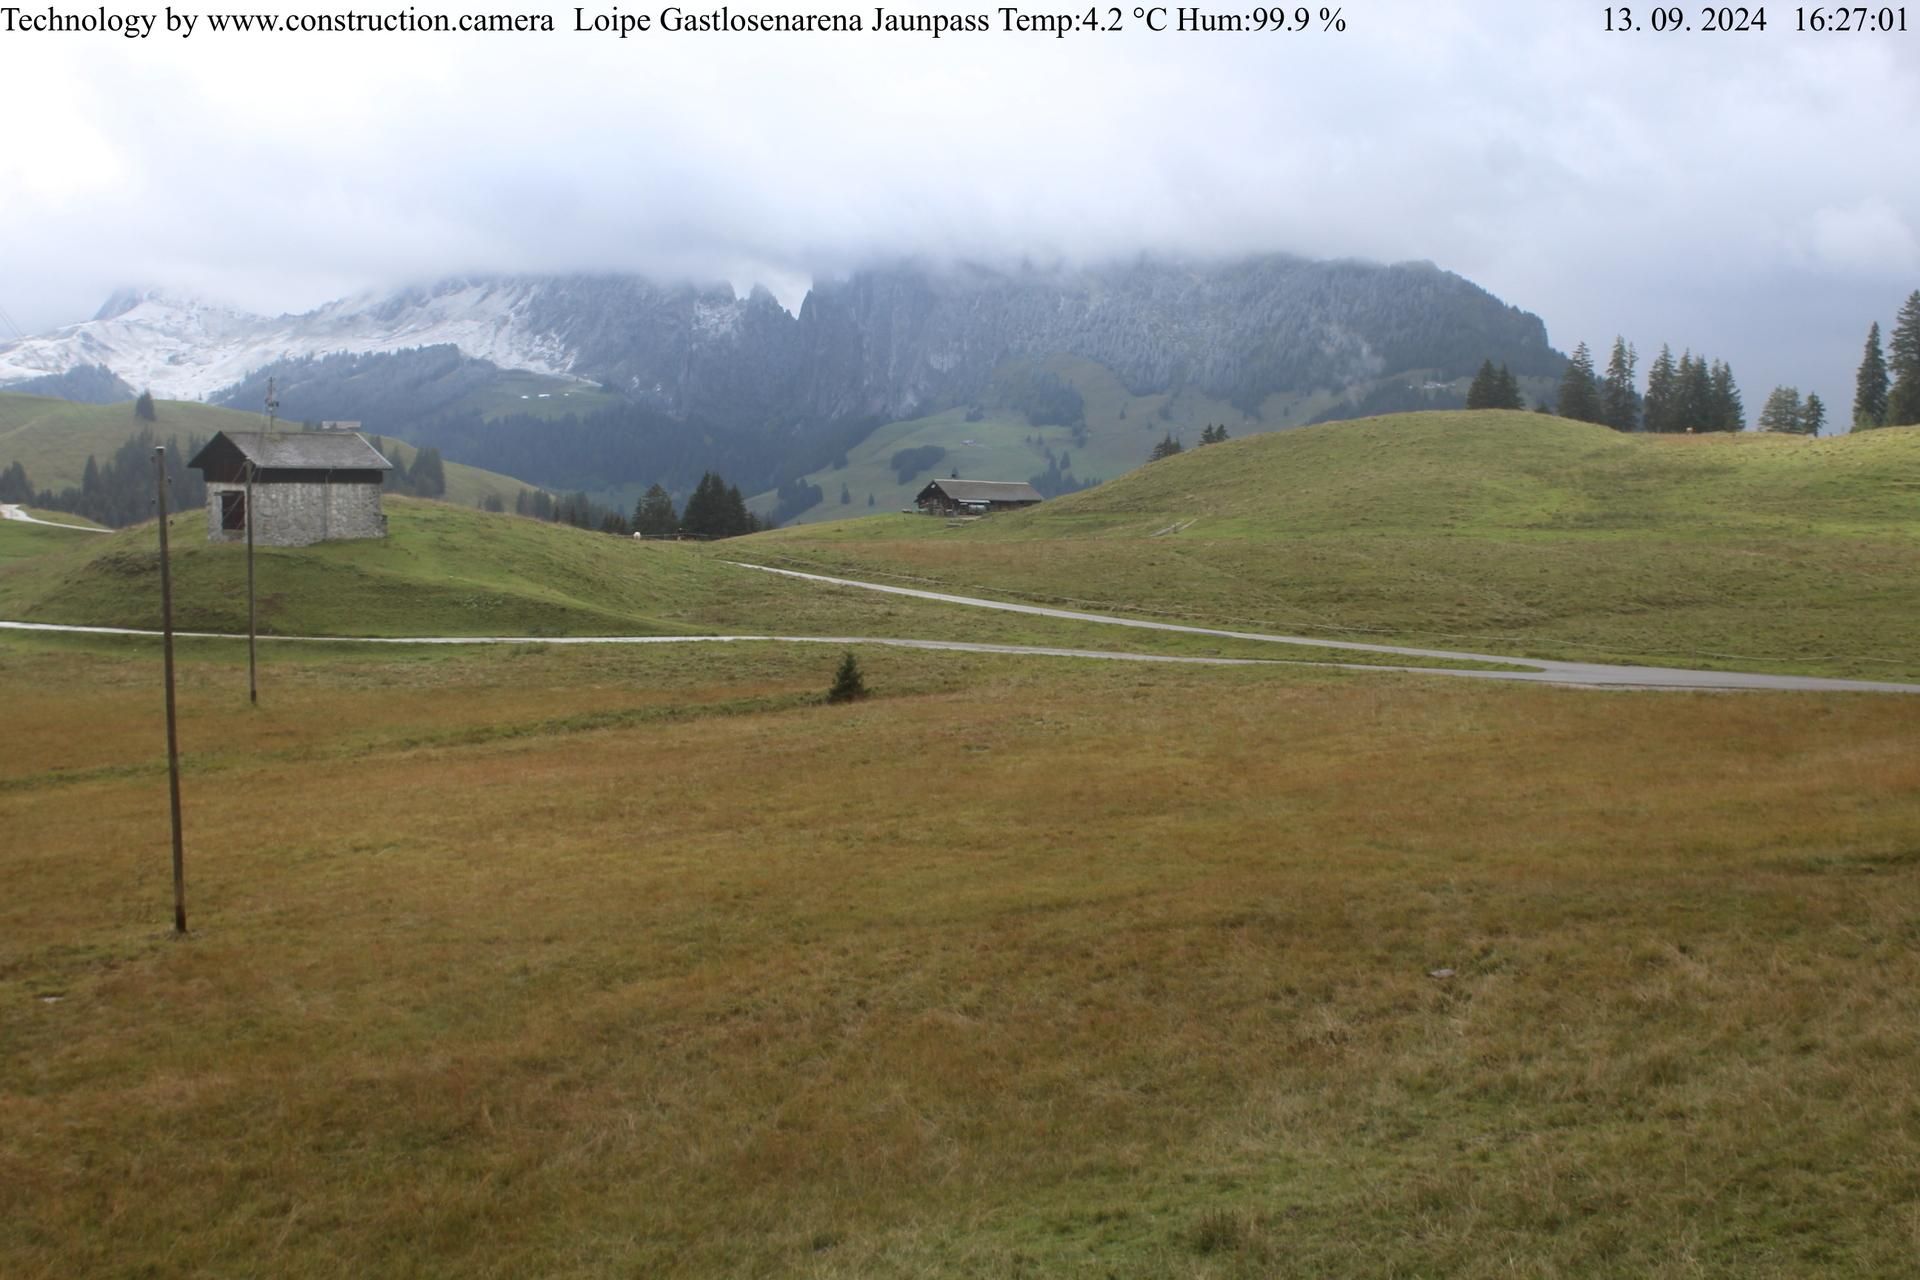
[13, 511]
[1588, 675]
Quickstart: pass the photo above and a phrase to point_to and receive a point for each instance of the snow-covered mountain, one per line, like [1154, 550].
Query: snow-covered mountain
[182, 348]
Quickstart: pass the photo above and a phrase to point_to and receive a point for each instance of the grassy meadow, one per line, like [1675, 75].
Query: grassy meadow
[596, 961]
[1496, 532]
[611, 962]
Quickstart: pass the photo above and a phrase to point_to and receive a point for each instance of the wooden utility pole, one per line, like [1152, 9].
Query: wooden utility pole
[253, 629]
[253, 681]
[173, 736]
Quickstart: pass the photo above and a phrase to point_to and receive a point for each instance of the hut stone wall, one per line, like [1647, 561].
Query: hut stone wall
[300, 514]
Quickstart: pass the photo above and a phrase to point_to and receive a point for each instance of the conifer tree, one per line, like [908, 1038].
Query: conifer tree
[1725, 412]
[1813, 415]
[1506, 391]
[143, 407]
[1480, 393]
[1783, 411]
[654, 515]
[738, 519]
[1619, 401]
[1903, 359]
[428, 475]
[1870, 385]
[1662, 391]
[1579, 393]
[848, 684]
[1694, 402]
[1167, 447]
[703, 517]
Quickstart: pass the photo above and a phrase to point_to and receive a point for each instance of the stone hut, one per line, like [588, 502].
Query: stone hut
[308, 487]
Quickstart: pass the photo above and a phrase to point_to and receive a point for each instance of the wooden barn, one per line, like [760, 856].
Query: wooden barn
[975, 497]
[307, 487]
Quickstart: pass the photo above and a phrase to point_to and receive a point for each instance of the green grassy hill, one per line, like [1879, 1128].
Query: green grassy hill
[52, 439]
[1503, 473]
[455, 571]
[1119, 434]
[443, 570]
[1470, 529]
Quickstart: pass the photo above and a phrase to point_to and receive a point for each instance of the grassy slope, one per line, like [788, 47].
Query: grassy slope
[598, 963]
[447, 570]
[52, 438]
[1122, 429]
[516, 391]
[1474, 530]
[22, 541]
[444, 570]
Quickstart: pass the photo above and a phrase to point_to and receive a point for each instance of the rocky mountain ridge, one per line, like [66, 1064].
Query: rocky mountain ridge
[884, 343]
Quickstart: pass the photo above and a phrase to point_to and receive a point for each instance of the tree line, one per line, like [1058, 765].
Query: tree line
[715, 509]
[1170, 444]
[1693, 394]
[1688, 394]
[120, 492]
[425, 478]
[1886, 387]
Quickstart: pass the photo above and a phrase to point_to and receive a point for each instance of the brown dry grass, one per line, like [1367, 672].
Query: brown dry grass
[618, 963]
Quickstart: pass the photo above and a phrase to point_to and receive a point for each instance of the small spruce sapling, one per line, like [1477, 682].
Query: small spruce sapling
[848, 684]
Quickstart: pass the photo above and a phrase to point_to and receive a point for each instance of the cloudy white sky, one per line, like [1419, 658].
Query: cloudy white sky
[1754, 195]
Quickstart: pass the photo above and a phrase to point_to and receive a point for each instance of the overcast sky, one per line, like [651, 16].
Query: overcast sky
[1753, 196]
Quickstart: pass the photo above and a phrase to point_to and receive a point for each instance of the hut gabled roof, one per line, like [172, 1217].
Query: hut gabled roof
[984, 490]
[292, 451]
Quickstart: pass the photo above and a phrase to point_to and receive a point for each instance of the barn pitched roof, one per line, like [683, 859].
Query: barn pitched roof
[986, 490]
[295, 451]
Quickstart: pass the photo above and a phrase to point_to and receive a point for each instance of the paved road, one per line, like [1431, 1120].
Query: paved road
[12, 511]
[1591, 675]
